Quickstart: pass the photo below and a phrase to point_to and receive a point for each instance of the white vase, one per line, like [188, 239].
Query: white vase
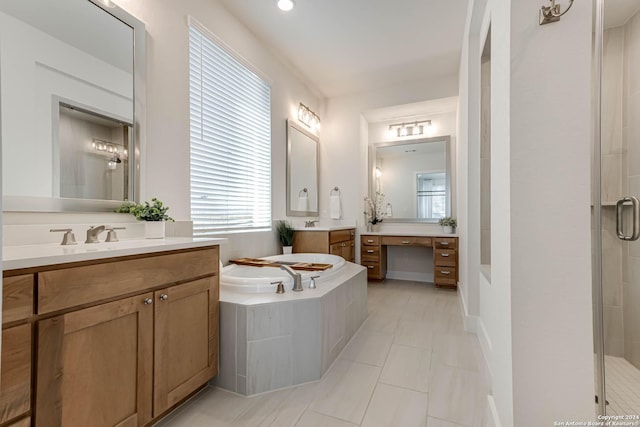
[447, 229]
[154, 229]
[287, 249]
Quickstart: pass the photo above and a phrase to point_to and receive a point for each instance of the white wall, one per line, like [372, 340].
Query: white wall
[167, 152]
[534, 309]
[345, 138]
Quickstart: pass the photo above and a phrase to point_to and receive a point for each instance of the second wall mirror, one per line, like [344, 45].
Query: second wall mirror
[302, 171]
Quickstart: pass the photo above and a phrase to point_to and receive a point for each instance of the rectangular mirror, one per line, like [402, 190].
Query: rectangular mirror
[414, 176]
[302, 171]
[71, 91]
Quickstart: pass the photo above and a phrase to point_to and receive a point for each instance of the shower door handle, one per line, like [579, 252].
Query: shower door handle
[635, 206]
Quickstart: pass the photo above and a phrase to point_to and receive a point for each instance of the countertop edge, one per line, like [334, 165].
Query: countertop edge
[104, 252]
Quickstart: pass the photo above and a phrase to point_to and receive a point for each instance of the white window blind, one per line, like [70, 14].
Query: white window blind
[230, 108]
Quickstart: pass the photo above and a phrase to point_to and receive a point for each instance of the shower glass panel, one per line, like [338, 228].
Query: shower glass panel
[616, 210]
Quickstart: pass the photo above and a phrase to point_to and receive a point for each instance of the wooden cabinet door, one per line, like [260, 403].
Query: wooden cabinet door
[186, 340]
[95, 364]
[15, 388]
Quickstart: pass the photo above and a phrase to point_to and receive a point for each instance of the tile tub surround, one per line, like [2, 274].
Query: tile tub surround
[272, 341]
[419, 384]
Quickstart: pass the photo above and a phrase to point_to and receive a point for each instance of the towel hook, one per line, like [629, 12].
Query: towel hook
[549, 14]
[334, 190]
[304, 190]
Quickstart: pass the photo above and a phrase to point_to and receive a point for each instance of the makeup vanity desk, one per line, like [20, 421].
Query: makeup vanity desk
[373, 254]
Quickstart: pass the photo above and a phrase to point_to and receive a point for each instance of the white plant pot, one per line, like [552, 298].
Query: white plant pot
[154, 229]
[287, 249]
[447, 229]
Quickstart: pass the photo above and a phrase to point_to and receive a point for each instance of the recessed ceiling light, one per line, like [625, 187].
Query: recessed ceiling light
[286, 5]
[107, 3]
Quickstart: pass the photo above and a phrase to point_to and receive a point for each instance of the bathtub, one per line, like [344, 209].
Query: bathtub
[270, 341]
[248, 279]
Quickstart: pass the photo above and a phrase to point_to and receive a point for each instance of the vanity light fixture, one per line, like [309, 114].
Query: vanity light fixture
[308, 117]
[109, 147]
[286, 5]
[409, 128]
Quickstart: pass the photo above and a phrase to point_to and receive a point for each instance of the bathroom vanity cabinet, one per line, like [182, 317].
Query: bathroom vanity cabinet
[335, 242]
[116, 342]
[373, 254]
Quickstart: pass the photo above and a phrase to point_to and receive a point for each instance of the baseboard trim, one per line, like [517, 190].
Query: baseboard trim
[414, 277]
[492, 413]
[470, 322]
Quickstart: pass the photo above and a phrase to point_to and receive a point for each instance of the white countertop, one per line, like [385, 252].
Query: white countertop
[410, 234]
[328, 228]
[27, 256]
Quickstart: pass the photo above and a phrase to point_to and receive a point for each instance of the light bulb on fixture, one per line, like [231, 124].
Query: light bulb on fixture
[286, 5]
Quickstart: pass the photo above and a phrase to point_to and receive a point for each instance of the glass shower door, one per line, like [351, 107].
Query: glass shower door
[616, 210]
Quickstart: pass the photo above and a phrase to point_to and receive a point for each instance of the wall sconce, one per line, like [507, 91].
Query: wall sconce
[308, 117]
[410, 128]
[549, 14]
[378, 172]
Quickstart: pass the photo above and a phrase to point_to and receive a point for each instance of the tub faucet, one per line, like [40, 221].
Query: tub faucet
[297, 277]
[93, 233]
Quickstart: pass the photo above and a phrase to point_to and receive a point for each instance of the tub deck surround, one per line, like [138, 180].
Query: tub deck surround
[120, 332]
[270, 341]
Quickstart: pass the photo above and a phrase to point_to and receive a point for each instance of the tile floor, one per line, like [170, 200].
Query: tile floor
[623, 386]
[410, 364]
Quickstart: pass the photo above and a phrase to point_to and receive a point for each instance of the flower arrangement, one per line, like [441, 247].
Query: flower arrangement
[154, 211]
[373, 208]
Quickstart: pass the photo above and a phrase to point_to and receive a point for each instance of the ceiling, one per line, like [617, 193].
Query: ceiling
[617, 12]
[352, 46]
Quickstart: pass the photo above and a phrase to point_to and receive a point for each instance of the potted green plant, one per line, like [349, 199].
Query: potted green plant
[285, 233]
[154, 214]
[448, 224]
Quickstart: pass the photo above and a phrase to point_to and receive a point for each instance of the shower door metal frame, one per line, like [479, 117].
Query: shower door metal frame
[597, 212]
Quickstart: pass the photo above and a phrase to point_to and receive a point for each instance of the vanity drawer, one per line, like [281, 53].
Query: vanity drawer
[445, 276]
[75, 286]
[446, 257]
[445, 242]
[371, 253]
[406, 241]
[370, 240]
[373, 269]
[17, 298]
[340, 236]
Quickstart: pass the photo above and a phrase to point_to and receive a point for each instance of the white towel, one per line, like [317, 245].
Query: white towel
[303, 202]
[334, 206]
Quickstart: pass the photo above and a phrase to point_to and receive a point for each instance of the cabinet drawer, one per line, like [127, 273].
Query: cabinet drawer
[445, 276]
[370, 252]
[406, 241]
[445, 242]
[15, 392]
[339, 236]
[370, 240]
[373, 268]
[17, 298]
[446, 257]
[70, 287]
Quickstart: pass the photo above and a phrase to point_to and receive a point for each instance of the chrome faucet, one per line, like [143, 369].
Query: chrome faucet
[93, 233]
[310, 224]
[297, 277]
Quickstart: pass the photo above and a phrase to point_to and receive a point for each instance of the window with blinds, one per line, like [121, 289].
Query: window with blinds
[230, 109]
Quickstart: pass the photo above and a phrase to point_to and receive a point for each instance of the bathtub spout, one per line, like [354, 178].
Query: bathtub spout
[297, 277]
